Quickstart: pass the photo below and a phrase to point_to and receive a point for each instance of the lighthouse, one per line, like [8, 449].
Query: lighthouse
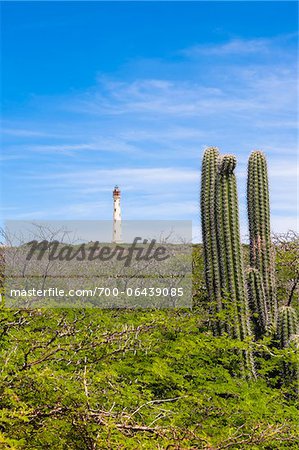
[116, 238]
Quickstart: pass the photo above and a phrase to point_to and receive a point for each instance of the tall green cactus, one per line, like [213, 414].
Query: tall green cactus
[287, 325]
[257, 302]
[232, 278]
[222, 249]
[229, 244]
[261, 248]
[208, 222]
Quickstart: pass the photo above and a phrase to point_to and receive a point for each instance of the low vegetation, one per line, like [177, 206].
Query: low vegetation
[144, 379]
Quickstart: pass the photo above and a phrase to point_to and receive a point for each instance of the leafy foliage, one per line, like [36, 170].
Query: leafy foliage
[93, 379]
[144, 379]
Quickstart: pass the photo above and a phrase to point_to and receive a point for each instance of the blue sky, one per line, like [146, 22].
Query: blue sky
[102, 93]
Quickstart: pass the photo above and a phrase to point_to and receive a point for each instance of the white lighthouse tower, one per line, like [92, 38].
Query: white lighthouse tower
[116, 238]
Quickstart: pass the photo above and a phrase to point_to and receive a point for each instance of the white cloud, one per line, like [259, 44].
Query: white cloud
[282, 224]
[232, 47]
[128, 177]
[263, 95]
[24, 133]
[238, 46]
[101, 145]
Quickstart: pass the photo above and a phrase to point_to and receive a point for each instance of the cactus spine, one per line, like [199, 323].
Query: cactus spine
[261, 249]
[229, 244]
[287, 325]
[257, 302]
[208, 222]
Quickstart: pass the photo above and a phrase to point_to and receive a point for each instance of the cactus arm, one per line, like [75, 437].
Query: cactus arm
[287, 325]
[257, 303]
[261, 248]
[287, 335]
[208, 222]
[230, 249]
